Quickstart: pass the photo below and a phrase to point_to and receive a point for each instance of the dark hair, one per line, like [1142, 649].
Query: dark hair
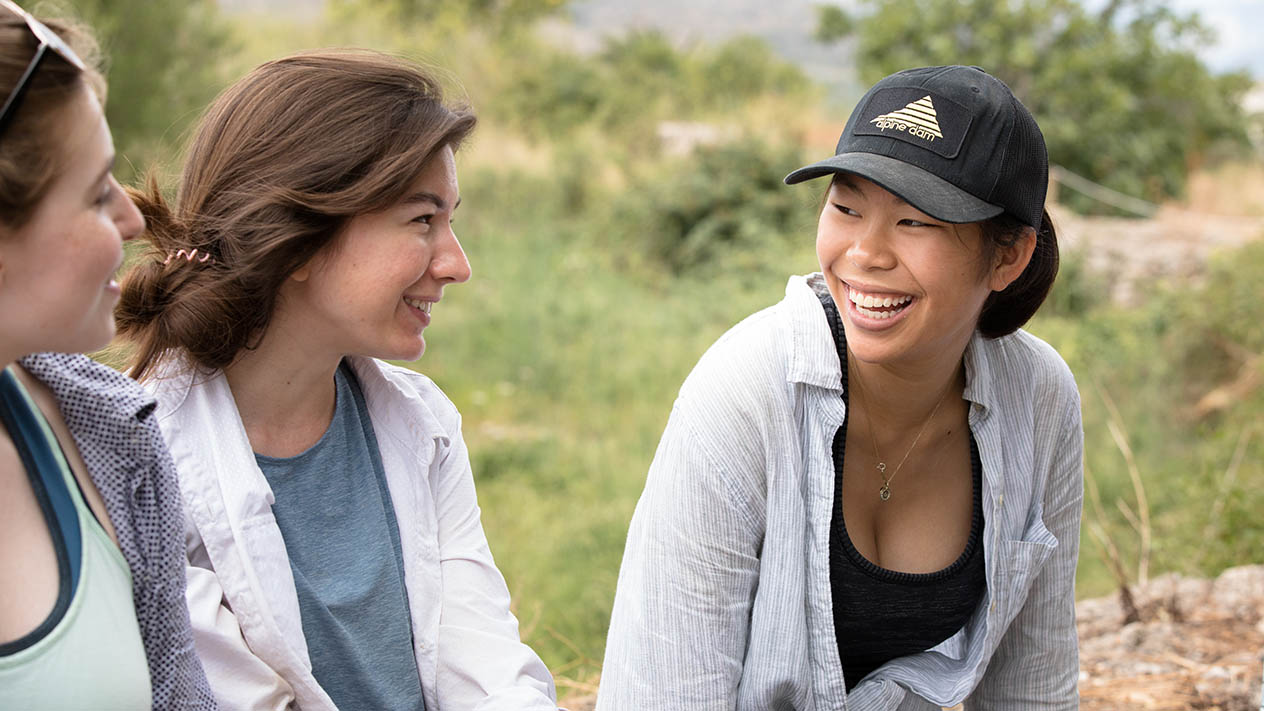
[1006, 311]
[278, 165]
[30, 155]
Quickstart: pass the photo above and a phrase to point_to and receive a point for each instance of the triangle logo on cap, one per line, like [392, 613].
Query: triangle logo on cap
[918, 119]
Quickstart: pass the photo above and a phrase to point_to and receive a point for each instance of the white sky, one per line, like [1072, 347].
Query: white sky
[1239, 25]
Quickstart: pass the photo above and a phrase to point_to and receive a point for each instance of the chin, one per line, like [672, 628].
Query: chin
[405, 354]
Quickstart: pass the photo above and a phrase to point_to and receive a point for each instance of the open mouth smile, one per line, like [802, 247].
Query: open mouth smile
[879, 306]
[422, 306]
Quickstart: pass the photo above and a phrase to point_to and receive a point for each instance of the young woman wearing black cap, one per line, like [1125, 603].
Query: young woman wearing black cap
[868, 496]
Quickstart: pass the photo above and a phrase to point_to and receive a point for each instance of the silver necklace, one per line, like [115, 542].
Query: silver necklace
[884, 493]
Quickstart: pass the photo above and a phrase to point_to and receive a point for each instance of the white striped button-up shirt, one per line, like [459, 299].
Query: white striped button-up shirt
[724, 600]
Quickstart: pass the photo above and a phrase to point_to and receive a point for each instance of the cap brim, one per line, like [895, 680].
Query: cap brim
[927, 192]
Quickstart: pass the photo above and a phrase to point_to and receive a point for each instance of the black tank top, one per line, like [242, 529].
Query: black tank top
[881, 614]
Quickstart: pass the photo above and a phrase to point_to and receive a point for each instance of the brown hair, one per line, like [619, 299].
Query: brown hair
[278, 165]
[1006, 311]
[30, 155]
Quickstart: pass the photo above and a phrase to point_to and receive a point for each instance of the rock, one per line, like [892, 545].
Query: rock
[1197, 646]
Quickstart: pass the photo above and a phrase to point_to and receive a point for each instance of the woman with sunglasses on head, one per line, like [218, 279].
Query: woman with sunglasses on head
[336, 553]
[92, 604]
[868, 496]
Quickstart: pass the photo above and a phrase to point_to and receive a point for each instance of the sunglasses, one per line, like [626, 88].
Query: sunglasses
[48, 40]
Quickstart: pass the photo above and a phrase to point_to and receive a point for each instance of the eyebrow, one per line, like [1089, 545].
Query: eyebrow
[102, 176]
[426, 196]
[109, 168]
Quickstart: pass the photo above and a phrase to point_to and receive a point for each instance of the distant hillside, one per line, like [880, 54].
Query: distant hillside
[786, 25]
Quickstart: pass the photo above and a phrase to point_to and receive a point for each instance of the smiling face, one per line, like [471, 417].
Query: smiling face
[57, 288]
[909, 287]
[371, 292]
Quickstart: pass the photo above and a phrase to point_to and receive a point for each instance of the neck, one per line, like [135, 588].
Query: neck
[284, 392]
[899, 398]
[10, 352]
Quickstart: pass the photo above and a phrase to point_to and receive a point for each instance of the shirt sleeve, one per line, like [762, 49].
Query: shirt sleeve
[679, 628]
[482, 662]
[238, 678]
[1036, 665]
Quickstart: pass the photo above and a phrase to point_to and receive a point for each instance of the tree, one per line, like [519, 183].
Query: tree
[832, 24]
[162, 67]
[500, 15]
[1119, 93]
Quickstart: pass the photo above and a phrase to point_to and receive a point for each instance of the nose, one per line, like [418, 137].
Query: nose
[450, 264]
[870, 247]
[127, 218]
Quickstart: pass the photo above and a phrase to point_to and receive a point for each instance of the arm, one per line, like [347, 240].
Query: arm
[1036, 665]
[679, 628]
[482, 662]
[239, 679]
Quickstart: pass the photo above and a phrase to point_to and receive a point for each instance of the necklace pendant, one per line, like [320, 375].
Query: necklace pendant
[881, 467]
[884, 493]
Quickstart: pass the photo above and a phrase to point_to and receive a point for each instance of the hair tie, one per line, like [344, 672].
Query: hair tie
[189, 255]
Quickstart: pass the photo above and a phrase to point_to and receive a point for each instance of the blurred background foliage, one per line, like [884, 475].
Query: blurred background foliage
[623, 207]
[1118, 91]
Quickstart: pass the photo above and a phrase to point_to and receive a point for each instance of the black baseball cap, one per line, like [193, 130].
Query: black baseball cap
[953, 141]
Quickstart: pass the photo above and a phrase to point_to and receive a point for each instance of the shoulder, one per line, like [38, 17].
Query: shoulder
[87, 390]
[1022, 366]
[741, 398]
[749, 358]
[172, 382]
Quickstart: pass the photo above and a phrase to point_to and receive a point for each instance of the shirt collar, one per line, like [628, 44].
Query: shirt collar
[979, 386]
[814, 359]
[108, 394]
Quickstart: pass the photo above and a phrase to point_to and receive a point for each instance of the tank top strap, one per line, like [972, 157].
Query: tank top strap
[51, 480]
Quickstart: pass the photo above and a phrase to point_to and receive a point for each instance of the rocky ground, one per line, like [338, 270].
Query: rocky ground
[1197, 645]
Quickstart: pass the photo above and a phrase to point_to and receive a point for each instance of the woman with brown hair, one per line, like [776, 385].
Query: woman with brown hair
[336, 554]
[92, 605]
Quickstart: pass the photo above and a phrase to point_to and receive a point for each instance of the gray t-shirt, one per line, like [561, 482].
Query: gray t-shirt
[335, 514]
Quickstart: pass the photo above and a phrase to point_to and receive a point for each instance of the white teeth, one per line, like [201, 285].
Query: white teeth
[868, 300]
[419, 304]
[865, 302]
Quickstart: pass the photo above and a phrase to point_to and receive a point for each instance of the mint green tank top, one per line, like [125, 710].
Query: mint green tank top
[93, 657]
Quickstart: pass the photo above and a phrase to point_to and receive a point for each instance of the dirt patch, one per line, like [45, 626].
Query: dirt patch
[1174, 245]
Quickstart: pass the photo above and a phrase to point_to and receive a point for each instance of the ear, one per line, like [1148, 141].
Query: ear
[302, 273]
[1012, 260]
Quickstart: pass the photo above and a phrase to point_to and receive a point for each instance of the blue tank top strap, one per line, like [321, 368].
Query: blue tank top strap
[46, 469]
